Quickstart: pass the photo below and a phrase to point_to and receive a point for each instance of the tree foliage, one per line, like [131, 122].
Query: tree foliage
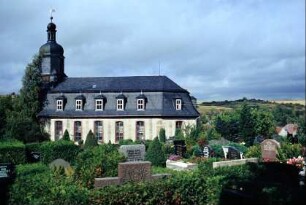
[155, 153]
[22, 122]
[91, 140]
[66, 135]
[162, 135]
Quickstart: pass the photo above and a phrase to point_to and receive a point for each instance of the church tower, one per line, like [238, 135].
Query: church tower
[52, 65]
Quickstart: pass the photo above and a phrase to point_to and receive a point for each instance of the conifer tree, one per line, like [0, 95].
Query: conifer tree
[66, 135]
[155, 153]
[162, 135]
[91, 140]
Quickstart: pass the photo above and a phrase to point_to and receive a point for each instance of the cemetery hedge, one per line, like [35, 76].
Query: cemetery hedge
[63, 149]
[37, 184]
[12, 151]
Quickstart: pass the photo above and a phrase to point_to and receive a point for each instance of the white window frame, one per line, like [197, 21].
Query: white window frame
[178, 104]
[59, 105]
[98, 129]
[120, 104]
[78, 104]
[99, 105]
[140, 104]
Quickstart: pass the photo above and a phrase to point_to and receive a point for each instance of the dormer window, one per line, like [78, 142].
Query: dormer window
[99, 102]
[178, 104]
[59, 105]
[141, 102]
[121, 100]
[79, 102]
[120, 104]
[99, 105]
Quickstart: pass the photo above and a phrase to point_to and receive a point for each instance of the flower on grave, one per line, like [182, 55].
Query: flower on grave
[174, 157]
[296, 161]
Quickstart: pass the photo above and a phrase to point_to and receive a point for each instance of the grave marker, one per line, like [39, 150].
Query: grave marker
[133, 152]
[179, 147]
[269, 150]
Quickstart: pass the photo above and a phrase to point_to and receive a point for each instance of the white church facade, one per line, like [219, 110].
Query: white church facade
[114, 108]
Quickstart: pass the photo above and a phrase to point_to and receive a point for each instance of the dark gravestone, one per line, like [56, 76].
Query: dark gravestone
[179, 147]
[34, 156]
[7, 175]
[231, 152]
[269, 150]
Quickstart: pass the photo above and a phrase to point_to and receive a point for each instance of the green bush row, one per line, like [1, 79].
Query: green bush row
[63, 149]
[37, 184]
[12, 151]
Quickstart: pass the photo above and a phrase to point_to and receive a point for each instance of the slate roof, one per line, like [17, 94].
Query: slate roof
[159, 91]
[118, 84]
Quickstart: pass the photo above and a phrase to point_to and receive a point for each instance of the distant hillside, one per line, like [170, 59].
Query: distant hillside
[298, 104]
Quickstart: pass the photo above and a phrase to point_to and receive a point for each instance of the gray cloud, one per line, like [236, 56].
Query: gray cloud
[216, 49]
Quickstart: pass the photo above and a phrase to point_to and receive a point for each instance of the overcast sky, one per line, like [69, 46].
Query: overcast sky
[216, 49]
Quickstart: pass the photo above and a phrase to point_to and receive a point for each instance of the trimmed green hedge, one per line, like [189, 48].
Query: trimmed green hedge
[12, 151]
[63, 149]
[37, 184]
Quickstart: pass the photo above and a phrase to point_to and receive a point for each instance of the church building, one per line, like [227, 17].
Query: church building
[114, 108]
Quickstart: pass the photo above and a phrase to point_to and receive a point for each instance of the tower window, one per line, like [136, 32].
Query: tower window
[78, 105]
[99, 105]
[120, 104]
[178, 104]
[140, 104]
[59, 105]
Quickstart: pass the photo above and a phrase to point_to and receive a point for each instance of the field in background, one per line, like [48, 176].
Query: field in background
[300, 102]
[203, 109]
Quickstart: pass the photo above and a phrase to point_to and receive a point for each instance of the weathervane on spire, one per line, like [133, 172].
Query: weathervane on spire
[51, 11]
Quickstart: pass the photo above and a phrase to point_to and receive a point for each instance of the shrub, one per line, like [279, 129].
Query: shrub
[66, 150]
[254, 151]
[218, 151]
[66, 135]
[36, 184]
[288, 150]
[91, 140]
[101, 161]
[12, 151]
[162, 135]
[126, 142]
[155, 153]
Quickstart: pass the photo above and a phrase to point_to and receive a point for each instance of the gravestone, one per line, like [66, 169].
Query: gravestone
[133, 152]
[34, 156]
[269, 149]
[179, 147]
[7, 175]
[231, 152]
[207, 151]
[134, 171]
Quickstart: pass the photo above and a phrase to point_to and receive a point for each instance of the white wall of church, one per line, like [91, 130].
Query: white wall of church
[152, 127]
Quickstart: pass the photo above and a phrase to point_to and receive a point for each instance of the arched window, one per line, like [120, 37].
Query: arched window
[98, 130]
[77, 130]
[140, 130]
[119, 131]
[58, 130]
